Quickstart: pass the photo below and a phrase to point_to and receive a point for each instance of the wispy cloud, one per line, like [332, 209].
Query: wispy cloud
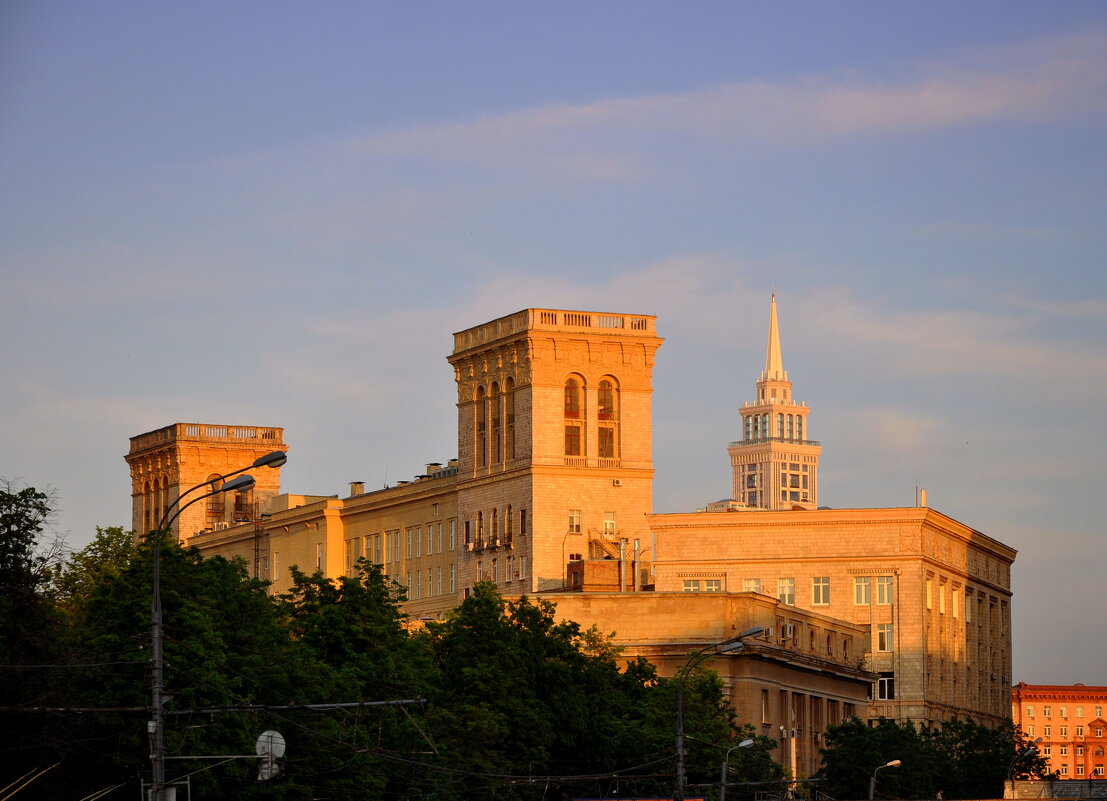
[590, 140]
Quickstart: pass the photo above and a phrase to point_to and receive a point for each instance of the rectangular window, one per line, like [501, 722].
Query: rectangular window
[1064, 749]
[495, 576]
[453, 578]
[1047, 731]
[1099, 712]
[884, 589]
[349, 557]
[1064, 711]
[884, 636]
[929, 594]
[862, 590]
[318, 556]
[691, 585]
[713, 585]
[410, 543]
[1079, 770]
[1079, 731]
[574, 521]
[1030, 730]
[1064, 731]
[820, 590]
[751, 585]
[786, 591]
[417, 588]
[1047, 750]
[441, 538]
[1030, 711]
[941, 599]
[953, 596]
[1080, 712]
[968, 609]
[522, 521]
[1064, 770]
[453, 534]
[1047, 711]
[418, 540]
[886, 687]
[572, 440]
[609, 522]
[606, 442]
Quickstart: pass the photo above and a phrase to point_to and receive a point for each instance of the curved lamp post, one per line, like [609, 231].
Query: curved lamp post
[895, 763]
[1032, 748]
[724, 647]
[726, 767]
[156, 727]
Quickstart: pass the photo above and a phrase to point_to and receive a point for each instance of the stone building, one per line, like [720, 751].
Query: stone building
[551, 492]
[1069, 720]
[932, 594]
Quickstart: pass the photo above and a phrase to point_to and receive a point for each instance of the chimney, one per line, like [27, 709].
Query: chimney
[357, 488]
[922, 497]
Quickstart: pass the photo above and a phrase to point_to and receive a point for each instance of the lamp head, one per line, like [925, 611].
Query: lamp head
[274, 459]
[895, 763]
[752, 632]
[238, 484]
[745, 743]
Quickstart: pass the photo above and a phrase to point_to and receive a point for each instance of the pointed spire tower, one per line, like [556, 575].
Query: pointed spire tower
[775, 466]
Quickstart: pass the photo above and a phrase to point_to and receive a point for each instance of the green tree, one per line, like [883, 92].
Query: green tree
[224, 646]
[32, 633]
[352, 633]
[108, 555]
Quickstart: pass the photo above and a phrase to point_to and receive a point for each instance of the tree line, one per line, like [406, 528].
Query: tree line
[499, 700]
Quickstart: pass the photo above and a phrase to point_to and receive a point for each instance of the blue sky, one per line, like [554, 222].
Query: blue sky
[277, 214]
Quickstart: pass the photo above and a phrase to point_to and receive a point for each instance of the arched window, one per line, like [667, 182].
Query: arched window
[482, 429]
[790, 429]
[216, 511]
[572, 398]
[163, 499]
[480, 529]
[574, 413]
[607, 412]
[495, 525]
[606, 409]
[497, 432]
[509, 419]
[507, 524]
[244, 506]
[148, 506]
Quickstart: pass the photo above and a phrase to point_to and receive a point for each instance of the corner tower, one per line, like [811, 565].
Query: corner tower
[774, 465]
[554, 443]
[171, 460]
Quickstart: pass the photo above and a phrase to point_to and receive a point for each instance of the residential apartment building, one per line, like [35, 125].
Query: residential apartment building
[1069, 720]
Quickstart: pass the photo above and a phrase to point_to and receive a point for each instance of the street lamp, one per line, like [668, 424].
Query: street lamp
[895, 763]
[1032, 748]
[724, 647]
[156, 727]
[726, 767]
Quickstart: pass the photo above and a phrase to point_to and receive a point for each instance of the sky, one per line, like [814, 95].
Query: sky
[258, 213]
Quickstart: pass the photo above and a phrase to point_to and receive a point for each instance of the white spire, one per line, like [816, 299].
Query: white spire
[774, 365]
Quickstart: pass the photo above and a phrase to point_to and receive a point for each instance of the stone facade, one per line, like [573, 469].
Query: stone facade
[551, 492]
[787, 691]
[933, 594]
[1071, 723]
[171, 460]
